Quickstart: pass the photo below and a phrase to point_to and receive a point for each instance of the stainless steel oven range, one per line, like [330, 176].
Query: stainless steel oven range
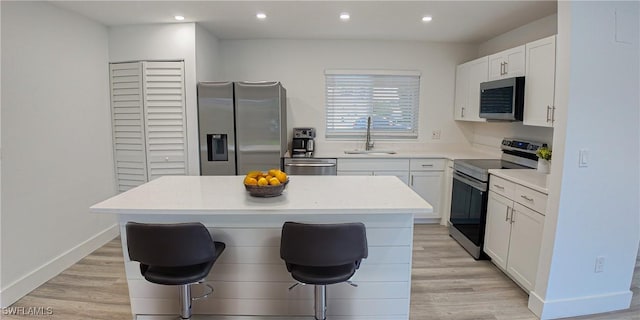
[470, 190]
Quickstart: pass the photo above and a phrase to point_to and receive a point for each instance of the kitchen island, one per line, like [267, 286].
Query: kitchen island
[250, 278]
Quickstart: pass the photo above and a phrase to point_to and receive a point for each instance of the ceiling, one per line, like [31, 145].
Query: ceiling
[453, 21]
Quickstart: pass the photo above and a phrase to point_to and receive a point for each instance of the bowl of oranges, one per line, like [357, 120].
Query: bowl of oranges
[266, 184]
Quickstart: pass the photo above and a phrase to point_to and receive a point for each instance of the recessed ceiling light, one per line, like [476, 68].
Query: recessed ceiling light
[344, 16]
[261, 15]
[426, 18]
[179, 18]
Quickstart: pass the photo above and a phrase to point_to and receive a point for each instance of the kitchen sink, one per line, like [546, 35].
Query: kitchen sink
[370, 152]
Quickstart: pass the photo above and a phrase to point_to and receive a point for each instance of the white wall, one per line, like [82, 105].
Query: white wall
[208, 64]
[538, 29]
[56, 143]
[491, 134]
[164, 42]
[593, 211]
[0, 161]
[300, 66]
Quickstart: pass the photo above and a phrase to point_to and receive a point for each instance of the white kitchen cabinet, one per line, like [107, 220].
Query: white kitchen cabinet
[498, 229]
[447, 185]
[426, 179]
[148, 121]
[469, 75]
[402, 175]
[539, 105]
[354, 173]
[524, 246]
[424, 176]
[513, 232]
[377, 166]
[508, 63]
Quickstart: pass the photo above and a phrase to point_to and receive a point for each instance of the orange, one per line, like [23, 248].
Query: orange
[282, 177]
[263, 182]
[254, 174]
[274, 182]
[250, 181]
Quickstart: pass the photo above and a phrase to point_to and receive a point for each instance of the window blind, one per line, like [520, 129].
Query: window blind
[391, 100]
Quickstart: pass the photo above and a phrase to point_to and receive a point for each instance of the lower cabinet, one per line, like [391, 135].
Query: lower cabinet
[426, 179]
[513, 233]
[402, 175]
[424, 176]
[447, 185]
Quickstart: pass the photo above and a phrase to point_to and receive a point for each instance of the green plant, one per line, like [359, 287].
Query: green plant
[544, 153]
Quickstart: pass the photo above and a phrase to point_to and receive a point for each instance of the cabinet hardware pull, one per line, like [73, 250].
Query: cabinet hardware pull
[462, 113]
[553, 114]
[526, 198]
[506, 216]
[501, 68]
[498, 186]
[412, 180]
[513, 210]
[548, 110]
[427, 165]
[506, 67]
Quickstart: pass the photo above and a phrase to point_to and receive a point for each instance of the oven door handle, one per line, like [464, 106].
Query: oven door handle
[474, 184]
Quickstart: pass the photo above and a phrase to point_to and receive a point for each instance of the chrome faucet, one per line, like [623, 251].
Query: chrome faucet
[368, 143]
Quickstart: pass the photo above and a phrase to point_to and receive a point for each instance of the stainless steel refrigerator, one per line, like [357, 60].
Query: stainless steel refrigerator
[242, 125]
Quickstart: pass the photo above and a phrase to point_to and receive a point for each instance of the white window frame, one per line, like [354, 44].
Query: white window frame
[359, 107]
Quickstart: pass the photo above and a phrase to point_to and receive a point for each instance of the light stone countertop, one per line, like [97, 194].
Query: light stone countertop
[451, 154]
[529, 178]
[226, 195]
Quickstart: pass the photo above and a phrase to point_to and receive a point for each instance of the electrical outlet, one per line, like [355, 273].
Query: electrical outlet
[435, 135]
[599, 264]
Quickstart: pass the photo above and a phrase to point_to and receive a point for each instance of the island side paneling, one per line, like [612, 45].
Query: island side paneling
[251, 279]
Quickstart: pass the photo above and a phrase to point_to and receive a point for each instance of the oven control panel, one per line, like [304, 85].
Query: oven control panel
[521, 145]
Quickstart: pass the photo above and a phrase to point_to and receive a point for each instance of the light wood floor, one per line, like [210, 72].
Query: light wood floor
[446, 284]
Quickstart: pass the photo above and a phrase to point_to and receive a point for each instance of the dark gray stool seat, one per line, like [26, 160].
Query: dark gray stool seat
[177, 275]
[173, 254]
[323, 275]
[323, 254]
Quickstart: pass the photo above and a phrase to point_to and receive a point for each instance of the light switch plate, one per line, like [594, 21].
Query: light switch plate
[583, 157]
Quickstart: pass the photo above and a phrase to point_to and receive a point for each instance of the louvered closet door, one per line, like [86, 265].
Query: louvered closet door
[165, 118]
[128, 125]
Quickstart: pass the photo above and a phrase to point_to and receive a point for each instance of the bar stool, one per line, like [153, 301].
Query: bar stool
[322, 254]
[174, 254]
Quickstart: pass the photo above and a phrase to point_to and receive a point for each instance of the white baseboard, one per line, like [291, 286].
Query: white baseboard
[21, 287]
[579, 306]
[426, 220]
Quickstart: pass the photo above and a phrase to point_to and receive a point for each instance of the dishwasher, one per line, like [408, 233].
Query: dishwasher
[311, 166]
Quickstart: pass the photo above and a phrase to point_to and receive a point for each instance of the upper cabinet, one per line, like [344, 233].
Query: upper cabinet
[539, 94]
[467, 99]
[535, 60]
[507, 64]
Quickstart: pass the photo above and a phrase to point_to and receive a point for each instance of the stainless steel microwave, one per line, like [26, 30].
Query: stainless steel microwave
[502, 100]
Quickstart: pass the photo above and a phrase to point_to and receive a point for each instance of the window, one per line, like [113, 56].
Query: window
[390, 98]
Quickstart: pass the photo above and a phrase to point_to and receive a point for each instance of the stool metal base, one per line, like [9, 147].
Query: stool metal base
[320, 296]
[185, 301]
